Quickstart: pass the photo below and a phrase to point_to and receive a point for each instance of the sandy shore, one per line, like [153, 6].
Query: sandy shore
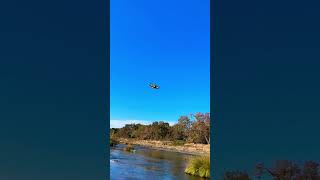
[189, 148]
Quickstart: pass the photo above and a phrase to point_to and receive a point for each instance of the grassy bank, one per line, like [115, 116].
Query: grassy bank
[191, 148]
[199, 166]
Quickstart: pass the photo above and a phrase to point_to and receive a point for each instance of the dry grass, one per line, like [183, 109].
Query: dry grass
[192, 148]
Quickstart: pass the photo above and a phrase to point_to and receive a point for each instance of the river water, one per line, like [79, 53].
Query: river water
[148, 164]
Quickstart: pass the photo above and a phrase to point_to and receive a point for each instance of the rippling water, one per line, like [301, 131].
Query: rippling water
[147, 164]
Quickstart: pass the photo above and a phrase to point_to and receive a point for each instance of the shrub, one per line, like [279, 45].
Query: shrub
[178, 143]
[199, 166]
[113, 142]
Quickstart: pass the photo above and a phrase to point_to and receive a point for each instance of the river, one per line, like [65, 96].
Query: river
[146, 163]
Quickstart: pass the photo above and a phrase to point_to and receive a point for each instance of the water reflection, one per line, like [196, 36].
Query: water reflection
[148, 163]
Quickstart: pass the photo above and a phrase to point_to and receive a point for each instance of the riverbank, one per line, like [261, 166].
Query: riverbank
[149, 162]
[188, 148]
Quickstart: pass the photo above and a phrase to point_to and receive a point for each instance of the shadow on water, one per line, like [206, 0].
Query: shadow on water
[148, 163]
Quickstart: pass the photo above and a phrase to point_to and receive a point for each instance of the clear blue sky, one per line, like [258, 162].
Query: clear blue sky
[166, 42]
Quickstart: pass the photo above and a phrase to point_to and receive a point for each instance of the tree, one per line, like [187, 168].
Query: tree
[180, 130]
[200, 128]
[197, 131]
[138, 131]
[177, 132]
[113, 132]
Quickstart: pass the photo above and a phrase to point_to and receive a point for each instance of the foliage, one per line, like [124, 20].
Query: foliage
[199, 166]
[195, 130]
[178, 143]
[113, 131]
[182, 128]
[200, 129]
[113, 142]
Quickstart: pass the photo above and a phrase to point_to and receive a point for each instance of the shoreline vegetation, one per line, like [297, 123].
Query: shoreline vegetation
[199, 166]
[191, 135]
[187, 148]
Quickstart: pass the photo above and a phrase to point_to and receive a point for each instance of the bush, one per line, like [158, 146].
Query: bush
[178, 143]
[199, 166]
[113, 142]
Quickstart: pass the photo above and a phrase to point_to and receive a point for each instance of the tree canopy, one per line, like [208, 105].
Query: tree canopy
[194, 128]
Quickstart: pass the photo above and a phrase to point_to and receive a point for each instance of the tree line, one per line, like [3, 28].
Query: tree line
[194, 128]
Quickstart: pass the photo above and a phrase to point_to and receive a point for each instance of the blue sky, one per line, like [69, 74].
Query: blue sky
[165, 42]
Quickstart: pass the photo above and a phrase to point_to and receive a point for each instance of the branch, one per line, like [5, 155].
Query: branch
[208, 141]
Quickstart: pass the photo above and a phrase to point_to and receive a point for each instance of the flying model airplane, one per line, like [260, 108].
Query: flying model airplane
[154, 86]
